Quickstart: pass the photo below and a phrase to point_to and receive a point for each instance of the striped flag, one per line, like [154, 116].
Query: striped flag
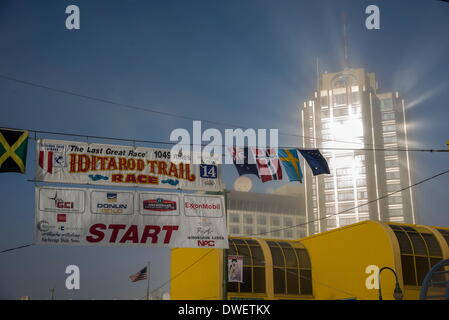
[141, 275]
[268, 163]
[46, 160]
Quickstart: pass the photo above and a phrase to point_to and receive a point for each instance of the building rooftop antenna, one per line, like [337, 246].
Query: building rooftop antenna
[345, 40]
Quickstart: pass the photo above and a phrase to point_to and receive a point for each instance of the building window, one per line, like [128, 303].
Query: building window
[340, 112]
[248, 219]
[391, 163]
[395, 199]
[262, 220]
[386, 104]
[340, 99]
[419, 252]
[387, 128]
[235, 230]
[390, 139]
[445, 234]
[329, 185]
[253, 266]
[292, 272]
[355, 98]
[235, 218]
[329, 197]
[345, 183]
[344, 196]
[324, 101]
[361, 182]
[393, 187]
[388, 116]
[395, 212]
[275, 221]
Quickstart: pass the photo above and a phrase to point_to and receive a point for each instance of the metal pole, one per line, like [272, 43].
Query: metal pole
[148, 280]
[225, 255]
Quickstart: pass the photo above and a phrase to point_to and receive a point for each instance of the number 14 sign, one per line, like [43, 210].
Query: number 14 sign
[208, 171]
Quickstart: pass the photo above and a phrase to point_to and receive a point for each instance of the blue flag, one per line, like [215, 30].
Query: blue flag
[290, 162]
[316, 161]
[242, 162]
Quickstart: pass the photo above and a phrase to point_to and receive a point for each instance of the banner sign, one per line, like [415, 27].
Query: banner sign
[235, 268]
[69, 216]
[102, 164]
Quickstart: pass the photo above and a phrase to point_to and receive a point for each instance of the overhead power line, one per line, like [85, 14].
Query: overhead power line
[298, 225]
[16, 248]
[156, 111]
[361, 205]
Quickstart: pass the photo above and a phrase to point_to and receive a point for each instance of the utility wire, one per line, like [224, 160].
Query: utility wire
[16, 248]
[155, 111]
[361, 205]
[216, 145]
[380, 198]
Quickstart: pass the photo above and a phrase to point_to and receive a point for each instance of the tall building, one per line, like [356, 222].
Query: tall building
[347, 113]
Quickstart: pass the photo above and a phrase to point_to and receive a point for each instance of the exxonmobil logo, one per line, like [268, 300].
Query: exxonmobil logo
[206, 243]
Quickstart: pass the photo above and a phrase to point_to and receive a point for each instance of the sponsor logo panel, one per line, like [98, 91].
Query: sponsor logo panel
[119, 203]
[159, 204]
[201, 206]
[61, 200]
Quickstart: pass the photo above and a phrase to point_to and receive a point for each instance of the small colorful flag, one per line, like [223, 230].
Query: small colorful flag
[268, 164]
[13, 150]
[242, 161]
[316, 161]
[141, 275]
[290, 161]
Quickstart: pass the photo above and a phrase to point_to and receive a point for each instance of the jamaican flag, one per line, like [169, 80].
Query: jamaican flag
[13, 150]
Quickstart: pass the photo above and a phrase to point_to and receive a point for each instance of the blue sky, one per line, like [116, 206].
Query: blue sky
[249, 63]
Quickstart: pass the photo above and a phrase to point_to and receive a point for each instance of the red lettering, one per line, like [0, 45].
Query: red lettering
[153, 235]
[115, 229]
[162, 168]
[94, 231]
[140, 165]
[122, 164]
[190, 177]
[169, 231]
[142, 178]
[130, 178]
[131, 164]
[83, 163]
[117, 178]
[131, 235]
[112, 164]
[206, 243]
[72, 162]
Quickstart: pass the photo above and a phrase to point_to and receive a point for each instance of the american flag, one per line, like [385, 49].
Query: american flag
[141, 275]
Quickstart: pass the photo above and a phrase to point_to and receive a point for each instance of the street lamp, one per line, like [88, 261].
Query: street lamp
[397, 290]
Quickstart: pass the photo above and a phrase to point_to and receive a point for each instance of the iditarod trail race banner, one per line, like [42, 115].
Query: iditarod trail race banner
[102, 164]
[73, 216]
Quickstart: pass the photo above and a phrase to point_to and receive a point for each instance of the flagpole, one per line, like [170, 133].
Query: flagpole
[148, 280]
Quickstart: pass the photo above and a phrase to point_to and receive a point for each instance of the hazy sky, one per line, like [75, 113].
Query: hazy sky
[249, 63]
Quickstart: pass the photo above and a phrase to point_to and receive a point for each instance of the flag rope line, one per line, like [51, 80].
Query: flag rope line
[138, 108]
[220, 145]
